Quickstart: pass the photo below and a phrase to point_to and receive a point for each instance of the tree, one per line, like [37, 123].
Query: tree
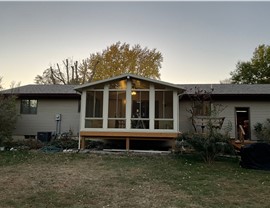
[255, 71]
[114, 60]
[226, 81]
[121, 58]
[68, 73]
[205, 114]
[8, 115]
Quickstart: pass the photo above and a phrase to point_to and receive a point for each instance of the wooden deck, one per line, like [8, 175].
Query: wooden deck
[158, 136]
[238, 144]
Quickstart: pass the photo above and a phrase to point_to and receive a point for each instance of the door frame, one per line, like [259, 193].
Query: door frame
[240, 120]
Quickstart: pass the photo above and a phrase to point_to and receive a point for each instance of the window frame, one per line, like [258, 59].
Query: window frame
[202, 108]
[26, 109]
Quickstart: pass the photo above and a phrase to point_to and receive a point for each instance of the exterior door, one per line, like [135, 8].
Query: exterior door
[242, 123]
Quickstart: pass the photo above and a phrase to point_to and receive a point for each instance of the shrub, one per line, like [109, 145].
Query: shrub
[262, 130]
[23, 144]
[73, 144]
[209, 145]
[65, 143]
[8, 117]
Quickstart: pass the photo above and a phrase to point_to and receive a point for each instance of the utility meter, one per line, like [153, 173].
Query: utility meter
[58, 117]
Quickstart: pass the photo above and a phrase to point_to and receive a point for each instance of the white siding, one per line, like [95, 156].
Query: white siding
[44, 120]
[259, 112]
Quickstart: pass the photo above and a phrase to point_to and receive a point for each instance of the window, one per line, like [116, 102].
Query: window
[163, 110]
[202, 108]
[94, 104]
[122, 84]
[94, 109]
[28, 106]
[140, 110]
[137, 84]
[117, 109]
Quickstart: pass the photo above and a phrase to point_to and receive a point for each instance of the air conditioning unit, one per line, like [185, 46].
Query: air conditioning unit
[44, 136]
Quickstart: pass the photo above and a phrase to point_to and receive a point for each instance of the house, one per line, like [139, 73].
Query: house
[130, 108]
[46, 108]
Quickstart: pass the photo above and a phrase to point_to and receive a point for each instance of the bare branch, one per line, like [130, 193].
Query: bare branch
[61, 78]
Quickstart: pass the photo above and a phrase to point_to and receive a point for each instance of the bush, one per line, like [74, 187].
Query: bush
[262, 130]
[8, 117]
[23, 144]
[209, 146]
[73, 144]
[65, 143]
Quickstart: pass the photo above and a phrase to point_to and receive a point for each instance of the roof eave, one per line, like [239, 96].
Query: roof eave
[128, 76]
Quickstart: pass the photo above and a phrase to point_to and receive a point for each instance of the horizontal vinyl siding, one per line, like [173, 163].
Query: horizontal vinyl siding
[184, 117]
[44, 120]
[259, 112]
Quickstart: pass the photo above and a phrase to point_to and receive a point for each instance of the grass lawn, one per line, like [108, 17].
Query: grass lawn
[32, 179]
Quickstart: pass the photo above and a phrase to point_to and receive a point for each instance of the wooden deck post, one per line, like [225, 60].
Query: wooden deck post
[82, 146]
[127, 144]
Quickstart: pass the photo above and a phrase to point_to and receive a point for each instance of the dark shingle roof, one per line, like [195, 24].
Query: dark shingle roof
[230, 89]
[42, 90]
[218, 89]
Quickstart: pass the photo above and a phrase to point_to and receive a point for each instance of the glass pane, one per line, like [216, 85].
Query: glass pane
[158, 104]
[163, 124]
[93, 123]
[29, 106]
[117, 104]
[122, 84]
[98, 104]
[94, 104]
[168, 106]
[140, 104]
[33, 107]
[24, 106]
[159, 86]
[116, 123]
[163, 104]
[90, 104]
[139, 124]
[202, 108]
[138, 84]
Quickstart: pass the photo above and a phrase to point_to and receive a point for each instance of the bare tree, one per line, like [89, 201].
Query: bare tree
[65, 74]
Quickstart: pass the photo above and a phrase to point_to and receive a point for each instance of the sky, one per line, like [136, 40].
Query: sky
[201, 42]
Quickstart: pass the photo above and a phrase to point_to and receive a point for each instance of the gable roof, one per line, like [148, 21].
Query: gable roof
[43, 90]
[128, 76]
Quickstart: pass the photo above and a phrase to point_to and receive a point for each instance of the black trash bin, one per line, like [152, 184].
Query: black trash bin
[44, 136]
[255, 156]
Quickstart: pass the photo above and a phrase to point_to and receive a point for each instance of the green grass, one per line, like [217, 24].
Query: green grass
[34, 179]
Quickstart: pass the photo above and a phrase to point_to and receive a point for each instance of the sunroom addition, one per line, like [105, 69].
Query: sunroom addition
[129, 107]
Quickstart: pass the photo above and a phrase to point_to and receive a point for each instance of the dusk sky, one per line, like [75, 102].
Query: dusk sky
[201, 42]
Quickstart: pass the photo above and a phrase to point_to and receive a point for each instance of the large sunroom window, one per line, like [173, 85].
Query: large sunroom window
[139, 104]
[163, 110]
[140, 109]
[117, 109]
[117, 104]
[94, 109]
